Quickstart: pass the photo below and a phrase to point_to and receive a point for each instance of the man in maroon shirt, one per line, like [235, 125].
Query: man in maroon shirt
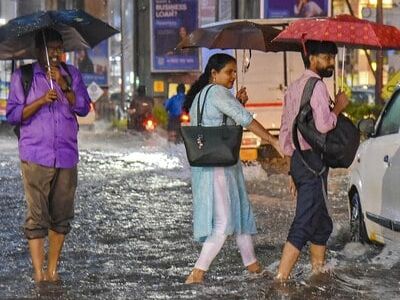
[312, 222]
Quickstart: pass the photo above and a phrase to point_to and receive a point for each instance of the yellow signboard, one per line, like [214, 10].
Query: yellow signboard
[158, 86]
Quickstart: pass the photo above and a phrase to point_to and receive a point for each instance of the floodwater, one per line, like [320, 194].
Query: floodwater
[132, 235]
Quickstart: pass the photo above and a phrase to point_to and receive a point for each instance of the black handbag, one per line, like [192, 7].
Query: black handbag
[211, 146]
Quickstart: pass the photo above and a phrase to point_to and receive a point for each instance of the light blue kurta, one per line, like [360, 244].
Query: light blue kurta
[241, 219]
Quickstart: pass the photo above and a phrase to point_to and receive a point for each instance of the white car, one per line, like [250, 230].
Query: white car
[374, 190]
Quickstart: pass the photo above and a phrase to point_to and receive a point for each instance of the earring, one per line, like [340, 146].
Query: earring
[214, 79]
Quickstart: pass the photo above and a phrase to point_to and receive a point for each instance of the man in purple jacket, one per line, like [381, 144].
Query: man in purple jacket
[48, 148]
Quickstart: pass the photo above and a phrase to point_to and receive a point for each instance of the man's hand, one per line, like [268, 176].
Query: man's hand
[49, 97]
[341, 102]
[55, 74]
[32, 108]
[242, 95]
[292, 188]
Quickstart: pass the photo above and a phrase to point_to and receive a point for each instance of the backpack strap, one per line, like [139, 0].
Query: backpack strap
[26, 81]
[308, 91]
[26, 78]
[305, 108]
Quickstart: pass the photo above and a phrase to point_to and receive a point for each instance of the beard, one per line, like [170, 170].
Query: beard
[325, 72]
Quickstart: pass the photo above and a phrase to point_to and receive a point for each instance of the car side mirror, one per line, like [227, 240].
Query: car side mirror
[367, 126]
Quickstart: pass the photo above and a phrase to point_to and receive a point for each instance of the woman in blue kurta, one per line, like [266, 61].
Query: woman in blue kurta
[220, 203]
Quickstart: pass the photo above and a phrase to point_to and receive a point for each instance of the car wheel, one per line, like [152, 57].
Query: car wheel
[357, 224]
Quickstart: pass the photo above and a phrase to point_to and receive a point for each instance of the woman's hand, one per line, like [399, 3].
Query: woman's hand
[263, 133]
[241, 95]
[275, 143]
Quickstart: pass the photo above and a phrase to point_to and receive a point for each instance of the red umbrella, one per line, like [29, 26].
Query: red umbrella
[344, 30]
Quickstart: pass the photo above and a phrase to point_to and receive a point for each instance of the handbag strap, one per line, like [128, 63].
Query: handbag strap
[200, 112]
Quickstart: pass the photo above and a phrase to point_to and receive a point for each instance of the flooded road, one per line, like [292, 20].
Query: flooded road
[132, 234]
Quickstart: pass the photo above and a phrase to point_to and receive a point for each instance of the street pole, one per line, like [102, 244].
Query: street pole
[122, 16]
[135, 32]
[368, 56]
[379, 58]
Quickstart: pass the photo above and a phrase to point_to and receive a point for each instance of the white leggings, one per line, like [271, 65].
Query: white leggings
[216, 239]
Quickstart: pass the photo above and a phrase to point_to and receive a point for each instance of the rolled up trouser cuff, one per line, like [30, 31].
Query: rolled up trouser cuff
[32, 234]
[41, 233]
[61, 229]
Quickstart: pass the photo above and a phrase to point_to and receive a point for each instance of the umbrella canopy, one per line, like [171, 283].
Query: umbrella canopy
[344, 30]
[79, 30]
[238, 34]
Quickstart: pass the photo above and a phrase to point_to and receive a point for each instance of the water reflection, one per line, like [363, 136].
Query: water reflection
[132, 235]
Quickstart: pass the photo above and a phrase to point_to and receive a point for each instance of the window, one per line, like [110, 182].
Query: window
[390, 122]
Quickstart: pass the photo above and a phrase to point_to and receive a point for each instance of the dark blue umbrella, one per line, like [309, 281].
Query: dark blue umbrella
[79, 30]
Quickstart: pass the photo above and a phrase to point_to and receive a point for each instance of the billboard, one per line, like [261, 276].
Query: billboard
[93, 64]
[286, 9]
[172, 21]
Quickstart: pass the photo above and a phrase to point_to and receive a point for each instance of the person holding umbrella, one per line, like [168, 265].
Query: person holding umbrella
[223, 208]
[48, 147]
[312, 222]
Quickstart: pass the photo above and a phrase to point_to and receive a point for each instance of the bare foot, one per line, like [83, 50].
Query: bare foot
[52, 277]
[255, 268]
[38, 277]
[280, 279]
[196, 276]
[321, 277]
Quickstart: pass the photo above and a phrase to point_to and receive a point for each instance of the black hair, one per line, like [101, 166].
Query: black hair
[50, 35]
[180, 88]
[216, 62]
[317, 47]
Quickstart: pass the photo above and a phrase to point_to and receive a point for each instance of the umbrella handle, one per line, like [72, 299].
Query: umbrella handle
[47, 58]
[343, 56]
[237, 79]
[243, 66]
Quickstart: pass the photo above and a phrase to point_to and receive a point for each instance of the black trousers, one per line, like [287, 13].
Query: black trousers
[312, 221]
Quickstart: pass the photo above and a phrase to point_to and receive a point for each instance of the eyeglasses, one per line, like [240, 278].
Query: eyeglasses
[55, 49]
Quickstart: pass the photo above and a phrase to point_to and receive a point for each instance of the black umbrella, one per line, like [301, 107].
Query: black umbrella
[256, 34]
[79, 30]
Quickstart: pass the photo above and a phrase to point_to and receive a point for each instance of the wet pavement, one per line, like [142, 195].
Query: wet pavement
[132, 235]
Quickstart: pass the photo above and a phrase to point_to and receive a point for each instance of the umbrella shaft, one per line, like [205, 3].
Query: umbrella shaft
[343, 57]
[47, 58]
